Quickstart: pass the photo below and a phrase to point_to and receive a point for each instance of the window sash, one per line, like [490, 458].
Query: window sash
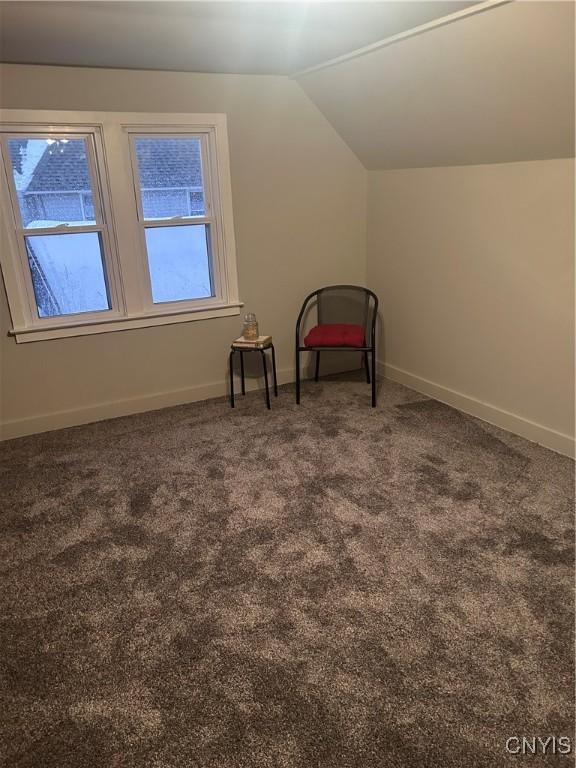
[211, 221]
[88, 139]
[92, 140]
[68, 315]
[176, 303]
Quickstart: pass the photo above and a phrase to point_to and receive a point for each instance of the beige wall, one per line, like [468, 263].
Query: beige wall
[473, 265]
[474, 269]
[299, 198]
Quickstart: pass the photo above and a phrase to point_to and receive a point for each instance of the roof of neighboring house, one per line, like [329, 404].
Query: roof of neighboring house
[169, 162]
[62, 167]
[162, 163]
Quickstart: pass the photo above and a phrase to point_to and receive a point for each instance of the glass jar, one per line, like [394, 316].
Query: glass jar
[250, 327]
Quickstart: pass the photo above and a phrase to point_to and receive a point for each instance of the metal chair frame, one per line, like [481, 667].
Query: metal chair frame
[370, 333]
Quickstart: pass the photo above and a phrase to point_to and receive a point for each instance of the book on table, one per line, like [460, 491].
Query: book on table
[258, 343]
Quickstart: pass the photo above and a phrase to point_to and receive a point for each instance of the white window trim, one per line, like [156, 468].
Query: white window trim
[212, 218]
[102, 226]
[125, 258]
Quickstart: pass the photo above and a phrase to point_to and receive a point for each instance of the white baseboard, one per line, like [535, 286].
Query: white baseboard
[557, 441]
[74, 417]
[550, 438]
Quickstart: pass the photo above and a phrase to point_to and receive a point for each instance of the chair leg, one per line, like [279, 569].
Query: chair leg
[242, 372]
[265, 367]
[367, 368]
[231, 364]
[297, 377]
[274, 371]
[317, 371]
[373, 377]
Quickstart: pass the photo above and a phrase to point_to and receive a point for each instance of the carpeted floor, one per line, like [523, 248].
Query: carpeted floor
[322, 586]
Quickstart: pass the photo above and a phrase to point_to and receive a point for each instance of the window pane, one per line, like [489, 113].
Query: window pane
[170, 171]
[52, 180]
[67, 273]
[179, 263]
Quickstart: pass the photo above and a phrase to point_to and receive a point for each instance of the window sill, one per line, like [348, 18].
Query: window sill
[46, 332]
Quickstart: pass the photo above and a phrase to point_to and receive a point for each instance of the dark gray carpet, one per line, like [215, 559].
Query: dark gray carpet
[322, 586]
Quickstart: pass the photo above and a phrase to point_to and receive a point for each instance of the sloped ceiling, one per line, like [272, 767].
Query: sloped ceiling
[228, 37]
[494, 87]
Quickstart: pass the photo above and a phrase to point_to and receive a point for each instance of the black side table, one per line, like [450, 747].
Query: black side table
[262, 351]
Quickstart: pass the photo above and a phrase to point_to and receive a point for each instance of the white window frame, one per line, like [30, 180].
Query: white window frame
[211, 218]
[122, 230]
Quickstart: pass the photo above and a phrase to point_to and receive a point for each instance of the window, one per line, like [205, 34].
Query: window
[64, 246]
[115, 221]
[173, 212]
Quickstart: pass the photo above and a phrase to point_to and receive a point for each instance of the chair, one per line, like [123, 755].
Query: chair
[346, 320]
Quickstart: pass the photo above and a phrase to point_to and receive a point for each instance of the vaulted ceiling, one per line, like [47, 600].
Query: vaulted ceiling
[232, 37]
[492, 86]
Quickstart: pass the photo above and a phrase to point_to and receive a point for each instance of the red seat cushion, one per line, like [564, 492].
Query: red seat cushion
[335, 335]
